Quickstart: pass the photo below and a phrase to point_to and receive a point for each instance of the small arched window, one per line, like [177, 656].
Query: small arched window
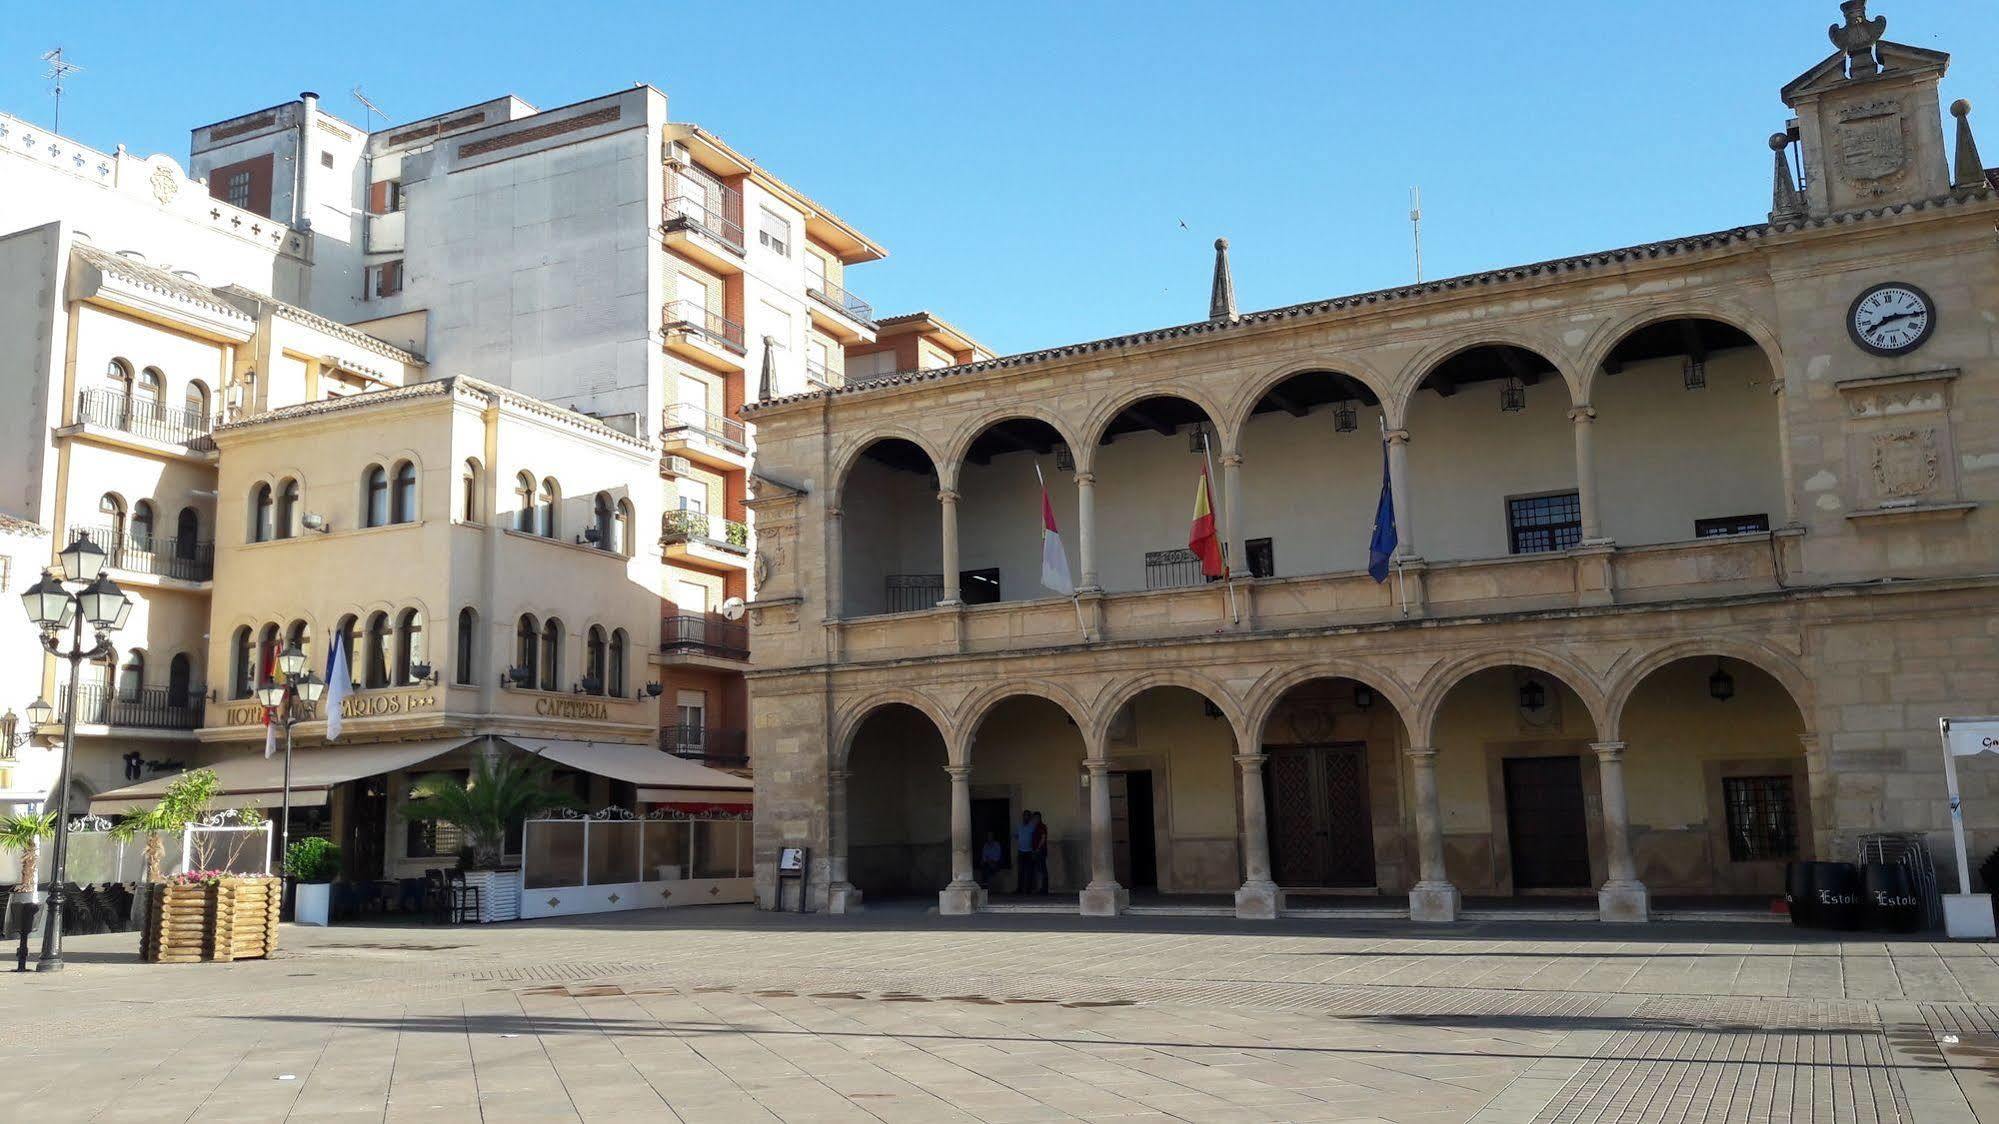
[546, 522]
[195, 402]
[603, 515]
[187, 534]
[132, 677]
[524, 503]
[262, 513]
[141, 528]
[375, 496]
[267, 654]
[468, 649]
[118, 388]
[377, 644]
[614, 680]
[596, 662]
[242, 664]
[149, 393]
[621, 529]
[299, 635]
[284, 523]
[347, 635]
[409, 647]
[402, 503]
[469, 487]
[527, 650]
[118, 376]
[180, 682]
[551, 655]
[113, 510]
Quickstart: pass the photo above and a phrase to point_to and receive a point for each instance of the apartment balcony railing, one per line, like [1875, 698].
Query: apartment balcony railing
[682, 418]
[144, 417]
[185, 559]
[706, 635]
[820, 375]
[713, 745]
[909, 592]
[723, 224]
[842, 301]
[713, 530]
[1170, 569]
[723, 331]
[152, 708]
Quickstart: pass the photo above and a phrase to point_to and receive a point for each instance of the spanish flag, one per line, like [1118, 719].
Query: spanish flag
[1201, 537]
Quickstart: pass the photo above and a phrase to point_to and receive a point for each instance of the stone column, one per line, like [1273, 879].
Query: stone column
[1584, 417]
[1784, 461]
[1398, 487]
[1086, 530]
[1103, 897]
[1259, 898]
[835, 591]
[947, 505]
[1232, 527]
[964, 894]
[1433, 898]
[1623, 897]
[841, 895]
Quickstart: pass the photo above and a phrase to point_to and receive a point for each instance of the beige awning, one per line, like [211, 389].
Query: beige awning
[662, 778]
[252, 780]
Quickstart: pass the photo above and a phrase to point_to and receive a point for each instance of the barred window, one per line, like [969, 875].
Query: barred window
[236, 192]
[1541, 523]
[1762, 819]
[1731, 525]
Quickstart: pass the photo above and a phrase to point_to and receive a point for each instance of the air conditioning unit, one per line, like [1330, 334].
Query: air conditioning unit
[678, 466]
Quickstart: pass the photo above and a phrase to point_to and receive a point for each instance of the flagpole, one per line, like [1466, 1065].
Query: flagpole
[1401, 587]
[1074, 599]
[1228, 573]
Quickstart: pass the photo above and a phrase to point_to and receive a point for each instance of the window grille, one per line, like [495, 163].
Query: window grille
[237, 192]
[1762, 820]
[908, 593]
[1168, 569]
[1543, 523]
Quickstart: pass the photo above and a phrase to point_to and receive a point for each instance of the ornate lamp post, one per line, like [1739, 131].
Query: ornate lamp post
[83, 593]
[290, 696]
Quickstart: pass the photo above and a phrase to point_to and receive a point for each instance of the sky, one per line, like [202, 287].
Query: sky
[1044, 173]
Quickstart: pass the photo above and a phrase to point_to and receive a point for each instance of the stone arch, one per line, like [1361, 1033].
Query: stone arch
[1101, 418]
[1268, 694]
[1355, 368]
[1608, 335]
[843, 467]
[1121, 694]
[974, 711]
[1761, 657]
[960, 444]
[1419, 368]
[855, 715]
[1439, 683]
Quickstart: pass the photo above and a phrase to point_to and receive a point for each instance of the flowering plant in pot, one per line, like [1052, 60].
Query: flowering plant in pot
[313, 862]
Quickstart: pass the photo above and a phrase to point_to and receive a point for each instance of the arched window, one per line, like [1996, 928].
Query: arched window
[299, 635]
[196, 404]
[527, 650]
[377, 644]
[267, 654]
[132, 678]
[614, 681]
[149, 393]
[118, 376]
[375, 496]
[346, 634]
[468, 635]
[118, 383]
[284, 524]
[242, 664]
[180, 682]
[402, 504]
[621, 529]
[468, 491]
[545, 516]
[551, 655]
[409, 647]
[596, 664]
[113, 510]
[603, 516]
[262, 513]
[187, 533]
[524, 503]
[141, 528]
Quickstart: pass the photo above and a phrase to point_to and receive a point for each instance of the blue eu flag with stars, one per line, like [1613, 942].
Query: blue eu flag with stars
[1381, 547]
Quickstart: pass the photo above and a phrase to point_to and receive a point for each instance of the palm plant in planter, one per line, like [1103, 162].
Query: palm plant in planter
[500, 792]
[20, 832]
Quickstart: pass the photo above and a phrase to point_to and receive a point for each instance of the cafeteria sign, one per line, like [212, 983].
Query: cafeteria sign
[1965, 914]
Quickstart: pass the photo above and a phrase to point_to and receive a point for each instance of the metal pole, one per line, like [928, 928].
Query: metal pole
[51, 958]
[285, 816]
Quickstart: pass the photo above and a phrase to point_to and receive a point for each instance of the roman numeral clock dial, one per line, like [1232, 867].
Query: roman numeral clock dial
[1892, 318]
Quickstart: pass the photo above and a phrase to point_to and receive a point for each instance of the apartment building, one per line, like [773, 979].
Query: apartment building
[1695, 543]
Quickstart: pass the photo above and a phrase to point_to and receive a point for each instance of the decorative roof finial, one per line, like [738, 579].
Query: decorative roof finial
[1970, 169]
[766, 382]
[1787, 203]
[1221, 302]
[1857, 38]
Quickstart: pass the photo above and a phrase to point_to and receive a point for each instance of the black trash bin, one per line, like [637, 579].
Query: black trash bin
[1835, 896]
[1889, 901]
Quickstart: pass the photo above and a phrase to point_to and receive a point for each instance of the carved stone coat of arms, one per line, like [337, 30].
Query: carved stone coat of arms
[1869, 141]
[1905, 463]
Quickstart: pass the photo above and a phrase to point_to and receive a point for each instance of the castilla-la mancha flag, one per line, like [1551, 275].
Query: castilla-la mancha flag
[1054, 560]
[1201, 537]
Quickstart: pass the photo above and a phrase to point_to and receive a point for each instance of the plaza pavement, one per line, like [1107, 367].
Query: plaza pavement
[725, 1014]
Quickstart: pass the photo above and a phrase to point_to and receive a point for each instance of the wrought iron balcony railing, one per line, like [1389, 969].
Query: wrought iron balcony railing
[842, 301]
[716, 327]
[713, 530]
[144, 417]
[909, 592]
[713, 745]
[152, 708]
[688, 211]
[186, 559]
[710, 636]
[682, 418]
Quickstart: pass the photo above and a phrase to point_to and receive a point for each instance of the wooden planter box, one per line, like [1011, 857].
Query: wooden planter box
[235, 919]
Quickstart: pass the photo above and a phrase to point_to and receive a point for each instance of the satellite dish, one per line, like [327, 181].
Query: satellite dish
[732, 609]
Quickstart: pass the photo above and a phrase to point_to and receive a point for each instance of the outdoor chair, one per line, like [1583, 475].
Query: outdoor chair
[466, 901]
[410, 896]
[437, 897]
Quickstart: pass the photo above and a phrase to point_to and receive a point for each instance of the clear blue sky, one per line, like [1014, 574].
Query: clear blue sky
[1029, 165]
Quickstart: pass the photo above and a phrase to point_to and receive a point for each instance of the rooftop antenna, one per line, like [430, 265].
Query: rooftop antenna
[373, 110]
[1416, 227]
[59, 69]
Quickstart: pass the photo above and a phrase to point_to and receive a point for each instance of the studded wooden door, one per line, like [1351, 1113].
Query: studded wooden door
[1321, 830]
[1545, 825]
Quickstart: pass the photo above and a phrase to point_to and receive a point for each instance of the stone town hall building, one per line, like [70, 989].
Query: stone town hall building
[1697, 541]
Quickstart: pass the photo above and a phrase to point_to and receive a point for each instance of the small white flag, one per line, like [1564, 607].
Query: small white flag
[1054, 560]
[339, 684]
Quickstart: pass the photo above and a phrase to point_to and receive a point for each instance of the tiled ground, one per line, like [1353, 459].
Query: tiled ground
[726, 1014]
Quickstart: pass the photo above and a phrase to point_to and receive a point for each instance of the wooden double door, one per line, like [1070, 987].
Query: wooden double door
[1547, 828]
[1321, 827]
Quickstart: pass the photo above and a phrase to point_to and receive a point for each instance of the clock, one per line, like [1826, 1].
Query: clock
[1892, 318]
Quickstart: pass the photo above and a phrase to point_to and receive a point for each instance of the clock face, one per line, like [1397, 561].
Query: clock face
[1893, 318]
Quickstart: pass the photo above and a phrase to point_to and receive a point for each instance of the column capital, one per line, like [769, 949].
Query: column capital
[959, 772]
[1231, 460]
[1396, 436]
[1251, 760]
[1582, 413]
[1086, 478]
[947, 495]
[1421, 754]
[1097, 766]
[1608, 751]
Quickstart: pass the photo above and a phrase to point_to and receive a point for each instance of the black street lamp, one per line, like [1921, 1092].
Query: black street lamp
[290, 696]
[83, 593]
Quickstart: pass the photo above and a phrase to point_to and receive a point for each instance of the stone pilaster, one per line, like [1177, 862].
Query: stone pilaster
[1259, 897]
[1623, 896]
[841, 895]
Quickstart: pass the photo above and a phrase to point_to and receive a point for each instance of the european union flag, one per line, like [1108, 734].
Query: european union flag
[1381, 547]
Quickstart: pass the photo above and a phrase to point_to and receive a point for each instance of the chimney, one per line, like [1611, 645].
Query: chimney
[1221, 301]
[308, 110]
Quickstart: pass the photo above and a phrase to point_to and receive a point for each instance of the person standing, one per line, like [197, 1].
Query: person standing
[1041, 852]
[1023, 848]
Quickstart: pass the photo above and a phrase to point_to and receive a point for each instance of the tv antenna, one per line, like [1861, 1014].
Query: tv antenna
[1416, 227]
[59, 69]
[373, 110]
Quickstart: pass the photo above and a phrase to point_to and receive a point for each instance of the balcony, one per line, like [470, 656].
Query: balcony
[822, 376]
[699, 539]
[147, 708]
[853, 319]
[711, 745]
[687, 430]
[706, 235]
[701, 336]
[147, 418]
[698, 634]
[185, 560]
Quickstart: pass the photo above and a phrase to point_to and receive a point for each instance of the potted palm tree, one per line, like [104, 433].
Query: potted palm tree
[313, 862]
[500, 792]
[21, 832]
